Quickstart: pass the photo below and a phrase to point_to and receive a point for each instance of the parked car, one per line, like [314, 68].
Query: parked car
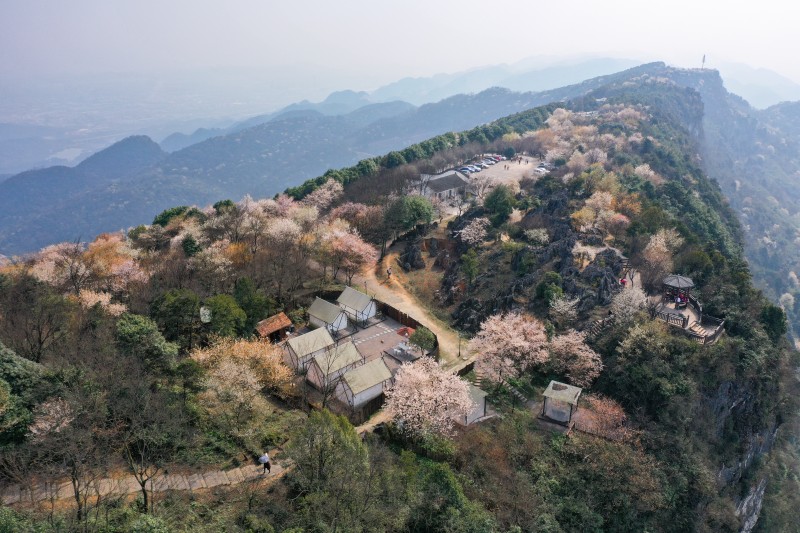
[466, 170]
[475, 168]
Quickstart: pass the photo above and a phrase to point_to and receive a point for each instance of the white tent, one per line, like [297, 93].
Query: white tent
[358, 306]
[324, 314]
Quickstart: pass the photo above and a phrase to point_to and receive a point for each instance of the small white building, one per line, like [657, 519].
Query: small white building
[324, 314]
[358, 306]
[326, 368]
[302, 348]
[445, 185]
[560, 402]
[478, 397]
[363, 383]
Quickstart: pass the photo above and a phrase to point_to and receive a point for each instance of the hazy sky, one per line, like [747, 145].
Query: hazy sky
[379, 41]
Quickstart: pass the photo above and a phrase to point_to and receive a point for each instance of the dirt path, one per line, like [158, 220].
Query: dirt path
[394, 293]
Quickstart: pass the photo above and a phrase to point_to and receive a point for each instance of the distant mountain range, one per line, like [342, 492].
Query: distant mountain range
[754, 154]
[57, 204]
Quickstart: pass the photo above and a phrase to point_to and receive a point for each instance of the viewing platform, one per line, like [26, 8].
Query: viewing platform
[679, 308]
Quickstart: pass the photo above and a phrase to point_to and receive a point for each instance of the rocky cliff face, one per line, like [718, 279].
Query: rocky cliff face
[749, 508]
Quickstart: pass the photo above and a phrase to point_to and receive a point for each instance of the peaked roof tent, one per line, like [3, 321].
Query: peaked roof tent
[310, 342]
[678, 282]
[563, 392]
[366, 376]
[339, 357]
[354, 299]
[324, 310]
[272, 324]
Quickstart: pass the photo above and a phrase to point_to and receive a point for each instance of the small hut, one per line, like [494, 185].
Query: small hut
[560, 402]
[324, 314]
[274, 328]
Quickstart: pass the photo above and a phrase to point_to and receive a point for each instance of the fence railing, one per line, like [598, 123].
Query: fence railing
[673, 319]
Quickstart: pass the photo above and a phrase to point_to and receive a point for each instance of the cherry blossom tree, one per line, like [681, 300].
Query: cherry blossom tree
[627, 303]
[89, 299]
[646, 173]
[64, 266]
[366, 219]
[52, 416]
[475, 231]
[571, 356]
[324, 196]
[426, 398]
[564, 310]
[358, 256]
[507, 345]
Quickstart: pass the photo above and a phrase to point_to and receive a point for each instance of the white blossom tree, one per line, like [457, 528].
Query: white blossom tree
[627, 303]
[426, 398]
[508, 345]
[564, 310]
[475, 231]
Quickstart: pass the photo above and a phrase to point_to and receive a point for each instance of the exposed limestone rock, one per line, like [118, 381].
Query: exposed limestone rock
[411, 258]
[749, 508]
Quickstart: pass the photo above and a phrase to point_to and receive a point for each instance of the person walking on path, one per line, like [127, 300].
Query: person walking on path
[264, 460]
[389, 273]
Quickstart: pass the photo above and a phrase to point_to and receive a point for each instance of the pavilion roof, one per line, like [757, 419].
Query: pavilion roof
[678, 282]
[563, 392]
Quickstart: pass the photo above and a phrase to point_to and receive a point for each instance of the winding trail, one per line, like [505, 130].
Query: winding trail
[393, 292]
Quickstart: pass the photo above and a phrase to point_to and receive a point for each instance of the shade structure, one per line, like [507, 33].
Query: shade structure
[678, 282]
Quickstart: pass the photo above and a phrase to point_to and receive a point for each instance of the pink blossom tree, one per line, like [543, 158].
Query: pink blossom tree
[426, 398]
[358, 255]
[324, 196]
[508, 345]
[572, 357]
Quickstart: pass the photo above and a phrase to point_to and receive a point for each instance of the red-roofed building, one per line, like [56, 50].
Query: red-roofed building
[274, 328]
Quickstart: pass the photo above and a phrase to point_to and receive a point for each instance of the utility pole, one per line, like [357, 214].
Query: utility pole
[703, 64]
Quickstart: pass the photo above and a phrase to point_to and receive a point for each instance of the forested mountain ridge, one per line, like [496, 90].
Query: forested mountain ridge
[755, 157]
[261, 160]
[685, 429]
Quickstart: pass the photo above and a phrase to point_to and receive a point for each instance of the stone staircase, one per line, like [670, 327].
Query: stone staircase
[127, 485]
[480, 380]
[598, 326]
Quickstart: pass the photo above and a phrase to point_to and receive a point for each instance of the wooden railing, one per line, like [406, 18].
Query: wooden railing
[673, 319]
[694, 302]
